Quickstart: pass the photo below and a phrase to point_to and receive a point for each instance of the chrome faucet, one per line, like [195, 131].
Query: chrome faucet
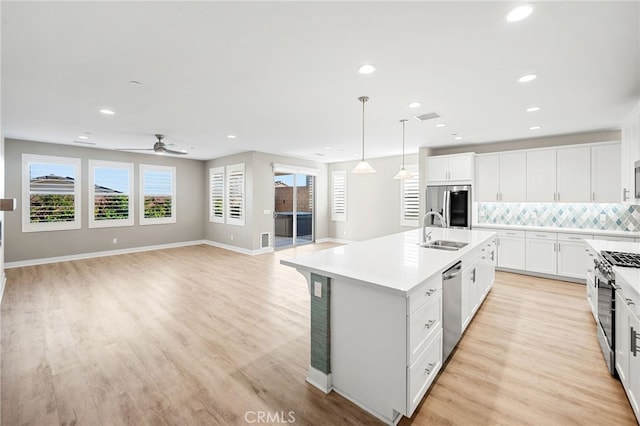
[424, 225]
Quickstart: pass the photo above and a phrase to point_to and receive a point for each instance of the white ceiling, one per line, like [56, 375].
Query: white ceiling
[282, 75]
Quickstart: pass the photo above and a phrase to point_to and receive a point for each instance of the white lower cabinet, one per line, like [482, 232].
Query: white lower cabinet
[628, 348]
[541, 252]
[572, 255]
[592, 290]
[470, 292]
[423, 371]
[511, 249]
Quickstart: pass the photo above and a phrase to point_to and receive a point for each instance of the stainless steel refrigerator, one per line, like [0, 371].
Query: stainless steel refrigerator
[452, 202]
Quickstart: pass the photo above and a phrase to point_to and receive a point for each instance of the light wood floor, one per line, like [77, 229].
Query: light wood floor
[203, 336]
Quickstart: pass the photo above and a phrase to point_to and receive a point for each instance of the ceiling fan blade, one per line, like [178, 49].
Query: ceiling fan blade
[177, 152]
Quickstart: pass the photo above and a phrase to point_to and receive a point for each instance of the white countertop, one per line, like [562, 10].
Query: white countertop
[627, 278]
[393, 262]
[628, 234]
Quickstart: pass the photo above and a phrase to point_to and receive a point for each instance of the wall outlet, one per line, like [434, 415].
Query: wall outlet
[344, 232]
[534, 215]
[231, 236]
[603, 218]
[266, 211]
[115, 241]
[317, 289]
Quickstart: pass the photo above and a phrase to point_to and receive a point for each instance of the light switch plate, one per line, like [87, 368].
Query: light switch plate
[603, 218]
[317, 289]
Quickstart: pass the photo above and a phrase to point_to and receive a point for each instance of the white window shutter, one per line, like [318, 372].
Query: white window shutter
[339, 195]
[236, 195]
[216, 195]
[410, 199]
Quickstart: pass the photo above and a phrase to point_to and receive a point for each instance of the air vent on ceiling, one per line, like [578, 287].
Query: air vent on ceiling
[428, 116]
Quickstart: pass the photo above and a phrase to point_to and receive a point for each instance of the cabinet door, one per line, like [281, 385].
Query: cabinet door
[437, 169]
[633, 376]
[513, 176]
[541, 256]
[511, 252]
[487, 178]
[622, 339]
[460, 167]
[573, 180]
[630, 152]
[470, 280]
[605, 175]
[541, 175]
[573, 260]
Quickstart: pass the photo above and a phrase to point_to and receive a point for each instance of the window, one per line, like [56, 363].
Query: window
[410, 199]
[110, 194]
[235, 195]
[216, 195]
[50, 193]
[158, 189]
[339, 195]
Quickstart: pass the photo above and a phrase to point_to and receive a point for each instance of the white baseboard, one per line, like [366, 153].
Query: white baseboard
[322, 381]
[334, 240]
[238, 249]
[31, 262]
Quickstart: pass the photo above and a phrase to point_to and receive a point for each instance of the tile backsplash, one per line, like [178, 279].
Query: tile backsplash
[617, 217]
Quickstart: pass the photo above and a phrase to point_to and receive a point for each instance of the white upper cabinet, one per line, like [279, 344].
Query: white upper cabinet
[487, 178]
[513, 176]
[630, 153]
[541, 175]
[501, 177]
[605, 176]
[573, 168]
[450, 169]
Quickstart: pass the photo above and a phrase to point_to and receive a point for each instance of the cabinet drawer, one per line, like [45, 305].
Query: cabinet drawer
[614, 238]
[423, 324]
[541, 235]
[421, 374]
[574, 237]
[508, 233]
[425, 292]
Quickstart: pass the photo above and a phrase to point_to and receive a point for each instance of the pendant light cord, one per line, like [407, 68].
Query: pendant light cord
[364, 99]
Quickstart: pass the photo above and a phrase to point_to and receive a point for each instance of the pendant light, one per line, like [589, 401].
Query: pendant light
[403, 174]
[363, 167]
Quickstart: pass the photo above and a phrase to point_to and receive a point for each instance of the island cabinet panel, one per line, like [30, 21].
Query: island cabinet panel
[627, 338]
[369, 347]
[470, 292]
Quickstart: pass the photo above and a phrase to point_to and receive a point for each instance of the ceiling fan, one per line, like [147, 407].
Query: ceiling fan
[160, 147]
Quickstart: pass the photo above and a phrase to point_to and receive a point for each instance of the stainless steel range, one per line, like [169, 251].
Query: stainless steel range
[616, 258]
[605, 282]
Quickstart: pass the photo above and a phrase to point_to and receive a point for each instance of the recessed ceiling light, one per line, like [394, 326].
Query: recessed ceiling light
[83, 137]
[441, 125]
[534, 127]
[341, 150]
[231, 136]
[366, 69]
[327, 147]
[519, 13]
[533, 109]
[527, 78]
[458, 138]
[107, 112]
[415, 105]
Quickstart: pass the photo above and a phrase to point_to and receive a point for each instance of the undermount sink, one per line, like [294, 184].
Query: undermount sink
[443, 245]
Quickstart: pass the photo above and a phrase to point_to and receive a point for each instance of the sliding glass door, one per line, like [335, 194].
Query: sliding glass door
[293, 209]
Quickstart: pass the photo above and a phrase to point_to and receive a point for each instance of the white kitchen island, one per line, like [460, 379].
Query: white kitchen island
[377, 314]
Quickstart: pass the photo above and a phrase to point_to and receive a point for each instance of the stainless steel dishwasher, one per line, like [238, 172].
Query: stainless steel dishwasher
[451, 308]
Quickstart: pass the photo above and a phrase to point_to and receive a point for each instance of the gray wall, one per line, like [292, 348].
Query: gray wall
[260, 197]
[190, 213]
[542, 142]
[373, 201]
